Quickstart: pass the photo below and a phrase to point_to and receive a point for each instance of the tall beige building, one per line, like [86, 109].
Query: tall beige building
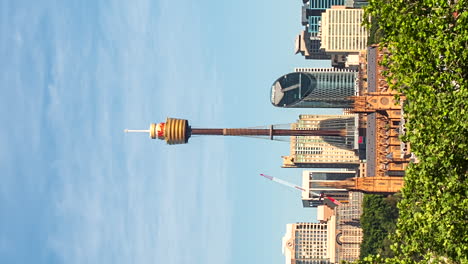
[336, 238]
[348, 227]
[310, 243]
[342, 30]
[324, 151]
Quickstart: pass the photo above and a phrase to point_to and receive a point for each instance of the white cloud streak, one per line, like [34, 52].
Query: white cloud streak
[119, 198]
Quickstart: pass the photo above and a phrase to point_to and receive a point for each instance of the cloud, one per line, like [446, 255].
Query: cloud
[88, 193]
[123, 198]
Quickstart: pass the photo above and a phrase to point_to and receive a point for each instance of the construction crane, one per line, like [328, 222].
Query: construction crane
[321, 195]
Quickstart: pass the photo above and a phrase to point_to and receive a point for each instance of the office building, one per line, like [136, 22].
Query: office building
[312, 11]
[309, 47]
[315, 88]
[324, 151]
[342, 31]
[348, 228]
[346, 219]
[356, 3]
[314, 182]
[310, 243]
[308, 42]
[324, 213]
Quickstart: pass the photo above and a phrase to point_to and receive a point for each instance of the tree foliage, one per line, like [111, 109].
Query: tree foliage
[428, 63]
[378, 220]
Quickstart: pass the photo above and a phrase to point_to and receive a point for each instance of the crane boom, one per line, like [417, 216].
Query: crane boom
[271, 178]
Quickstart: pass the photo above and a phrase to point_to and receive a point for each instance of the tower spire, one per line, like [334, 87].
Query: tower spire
[136, 131]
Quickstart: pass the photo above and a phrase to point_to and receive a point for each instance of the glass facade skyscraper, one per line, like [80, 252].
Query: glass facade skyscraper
[309, 47]
[314, 12]
[315, 88]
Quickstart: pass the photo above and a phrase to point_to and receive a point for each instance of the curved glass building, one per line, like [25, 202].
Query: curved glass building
[315, 88]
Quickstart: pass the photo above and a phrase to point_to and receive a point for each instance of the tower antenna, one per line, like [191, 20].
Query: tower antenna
[136, 131]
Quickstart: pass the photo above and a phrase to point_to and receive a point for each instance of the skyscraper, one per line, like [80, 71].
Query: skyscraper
[310, 243]
[309, 47]
[312, 11]
[342, 30]
[356, 3]
[324, 151]
[315, 88]
[348, 227]
[336, 238]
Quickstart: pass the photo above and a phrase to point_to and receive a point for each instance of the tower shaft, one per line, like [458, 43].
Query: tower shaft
[263, 132]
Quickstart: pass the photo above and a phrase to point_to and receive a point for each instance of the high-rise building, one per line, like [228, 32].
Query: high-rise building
[309, 47]
[315, 88]
[317, 176]
[348, 228]
[356, 3]
[324, 213]
[324, 151]
[313, 183]
[342, 30]
[310, 243]
[343, 222]
[312, 11]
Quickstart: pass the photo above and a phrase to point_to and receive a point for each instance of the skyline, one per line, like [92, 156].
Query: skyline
[77, 189]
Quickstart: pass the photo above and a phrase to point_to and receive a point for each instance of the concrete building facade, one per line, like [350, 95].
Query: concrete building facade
[310, 243]
[324, 151]
[348, 228]
[336, 238]
[342, 31]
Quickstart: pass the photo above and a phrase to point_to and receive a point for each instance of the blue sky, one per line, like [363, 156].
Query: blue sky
[76, 189]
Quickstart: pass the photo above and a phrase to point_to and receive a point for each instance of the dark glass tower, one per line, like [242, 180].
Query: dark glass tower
[315, 88]
[309, 47]
[312, 12]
